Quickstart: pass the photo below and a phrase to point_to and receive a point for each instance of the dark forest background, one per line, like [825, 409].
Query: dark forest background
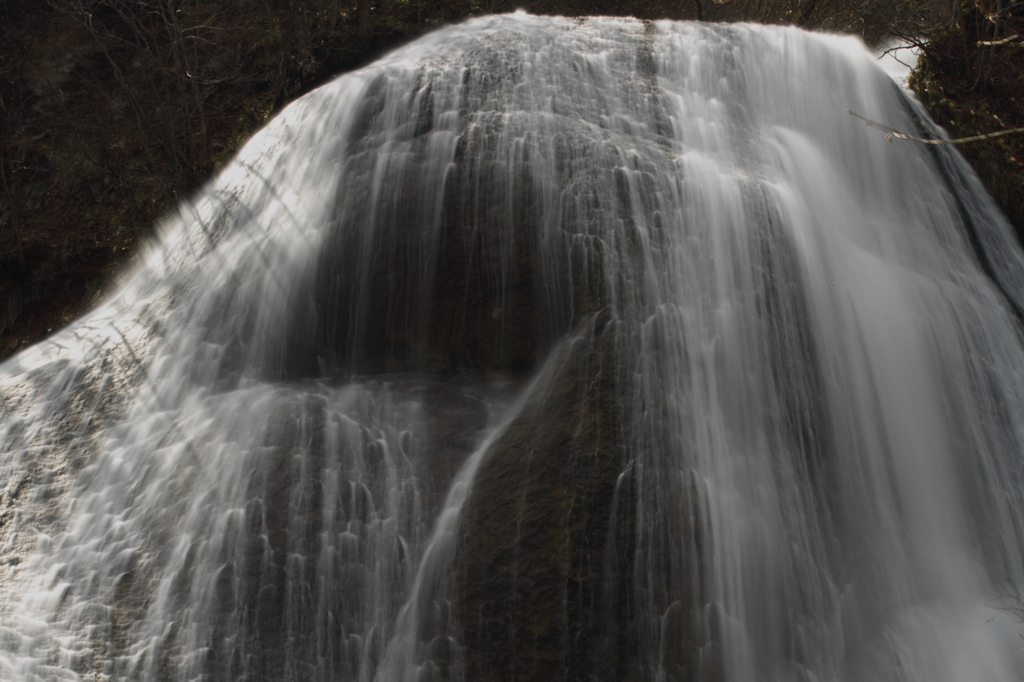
[112, 110]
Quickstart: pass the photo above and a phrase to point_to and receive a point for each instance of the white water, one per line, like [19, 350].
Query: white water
[819, 376]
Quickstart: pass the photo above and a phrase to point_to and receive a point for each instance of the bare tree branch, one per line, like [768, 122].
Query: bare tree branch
[999, 42]
[892, 132]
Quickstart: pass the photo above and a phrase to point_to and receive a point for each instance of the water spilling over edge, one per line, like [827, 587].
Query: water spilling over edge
[802, 347]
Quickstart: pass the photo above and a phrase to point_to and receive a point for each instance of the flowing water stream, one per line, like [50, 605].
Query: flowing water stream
[253, 462]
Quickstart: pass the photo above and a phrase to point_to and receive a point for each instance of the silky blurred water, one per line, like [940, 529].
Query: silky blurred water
[241, 466]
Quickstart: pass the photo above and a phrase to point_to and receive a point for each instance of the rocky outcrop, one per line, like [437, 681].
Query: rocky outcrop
[542, 571]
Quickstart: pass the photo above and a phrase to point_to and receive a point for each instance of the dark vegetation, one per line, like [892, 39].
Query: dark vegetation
[972, 82]
[112, 110]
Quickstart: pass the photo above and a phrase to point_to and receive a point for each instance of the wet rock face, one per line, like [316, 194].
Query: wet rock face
[506, 269]
[428, 297]
[541, 573]
[55, 417]
[477, 247]
[462, 289]
[286, 576]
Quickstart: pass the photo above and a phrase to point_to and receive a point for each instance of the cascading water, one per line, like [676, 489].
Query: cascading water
[542, 348]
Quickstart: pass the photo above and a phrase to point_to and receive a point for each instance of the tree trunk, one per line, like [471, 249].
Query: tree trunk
[804, 15]
[363, 18]
[10, 182]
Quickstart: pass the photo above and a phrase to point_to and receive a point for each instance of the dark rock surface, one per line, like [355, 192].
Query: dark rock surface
[542, 572]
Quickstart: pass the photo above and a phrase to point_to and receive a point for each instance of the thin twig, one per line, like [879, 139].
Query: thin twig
[999, 42]
[892, 132]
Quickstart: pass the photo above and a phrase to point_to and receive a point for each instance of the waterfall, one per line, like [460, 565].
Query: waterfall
[541, 348]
